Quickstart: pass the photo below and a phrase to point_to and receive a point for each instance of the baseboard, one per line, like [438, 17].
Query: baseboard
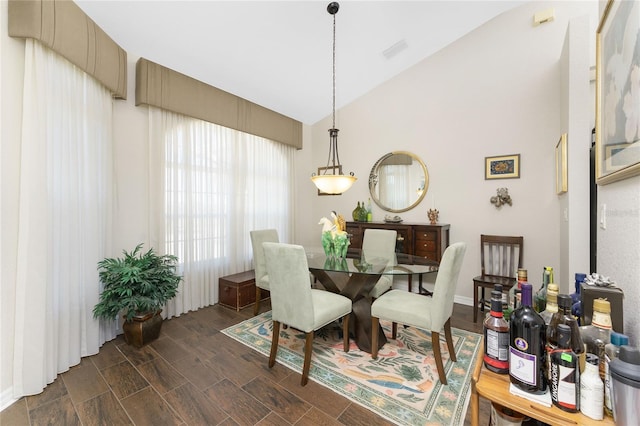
[463, 300]
[6, 398]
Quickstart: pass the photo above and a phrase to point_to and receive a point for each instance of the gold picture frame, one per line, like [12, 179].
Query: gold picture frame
[561, 165]
[617, 69]
[502, 167]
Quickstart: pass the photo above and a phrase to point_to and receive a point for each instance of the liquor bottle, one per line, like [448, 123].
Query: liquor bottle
[563, 316]
[598, 333]
[552, 304]
[496, 337]
[540, 299]
[527, 346]
[514, 292]
[592, 390]
[611, 351]
[565, 373]
[369, 212]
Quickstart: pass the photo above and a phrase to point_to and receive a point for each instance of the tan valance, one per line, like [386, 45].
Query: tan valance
[165, 88]
[66, 29]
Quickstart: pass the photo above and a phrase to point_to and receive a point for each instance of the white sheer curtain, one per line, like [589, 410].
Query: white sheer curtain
[65, 192]
[210, 186]
[395, 186]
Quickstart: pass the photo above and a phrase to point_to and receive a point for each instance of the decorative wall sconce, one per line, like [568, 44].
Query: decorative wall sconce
[501, 198]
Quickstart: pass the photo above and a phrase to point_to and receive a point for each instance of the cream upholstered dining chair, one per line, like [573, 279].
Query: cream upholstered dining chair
[431, 313]
[295, 303]
[380, 243]
[262, 279]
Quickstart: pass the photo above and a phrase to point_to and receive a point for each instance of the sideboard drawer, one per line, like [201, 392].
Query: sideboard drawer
[423, 236]
[427, 254]
[425, 247]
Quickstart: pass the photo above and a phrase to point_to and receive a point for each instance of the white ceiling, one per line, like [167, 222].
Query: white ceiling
[278, 53]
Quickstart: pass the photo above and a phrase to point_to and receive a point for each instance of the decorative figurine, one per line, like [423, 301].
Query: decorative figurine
[335, 240]
[433, 216]
[501, 198]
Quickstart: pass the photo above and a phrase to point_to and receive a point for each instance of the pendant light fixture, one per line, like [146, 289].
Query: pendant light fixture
[331, 180]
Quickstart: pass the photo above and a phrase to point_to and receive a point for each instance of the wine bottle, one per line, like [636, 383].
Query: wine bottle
[527, 346]
[540, 298]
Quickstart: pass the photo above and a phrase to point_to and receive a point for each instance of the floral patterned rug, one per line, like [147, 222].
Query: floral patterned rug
[401, 385]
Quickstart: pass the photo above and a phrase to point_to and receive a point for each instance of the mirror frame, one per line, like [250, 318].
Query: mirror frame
[373, 181]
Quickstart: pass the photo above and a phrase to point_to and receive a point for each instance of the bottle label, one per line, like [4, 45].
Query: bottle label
[607, 384]
[591, 394]
[567, 387]
[523, 366]
[498, 345]
[601, 320]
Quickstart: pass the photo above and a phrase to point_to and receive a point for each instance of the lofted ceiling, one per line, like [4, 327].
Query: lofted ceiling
[278, 54]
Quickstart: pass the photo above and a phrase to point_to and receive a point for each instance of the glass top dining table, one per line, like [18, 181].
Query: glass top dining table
[355, 276]
[402, 264]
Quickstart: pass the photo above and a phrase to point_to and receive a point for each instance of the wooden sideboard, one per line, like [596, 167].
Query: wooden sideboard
[417, 239]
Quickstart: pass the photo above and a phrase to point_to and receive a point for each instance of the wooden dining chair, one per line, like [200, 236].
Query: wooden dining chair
[431, 313]
[295, 303]
[500, 259]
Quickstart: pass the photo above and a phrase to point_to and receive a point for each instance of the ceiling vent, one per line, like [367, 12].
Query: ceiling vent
[395, 49]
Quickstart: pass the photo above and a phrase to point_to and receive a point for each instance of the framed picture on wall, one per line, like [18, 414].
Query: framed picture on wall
[617, 85]
[561, 165]
[503, 167]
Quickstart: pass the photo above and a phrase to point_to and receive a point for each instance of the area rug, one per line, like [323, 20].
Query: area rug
[401, 385]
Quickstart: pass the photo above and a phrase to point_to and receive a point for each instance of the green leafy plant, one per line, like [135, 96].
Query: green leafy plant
[136, 284]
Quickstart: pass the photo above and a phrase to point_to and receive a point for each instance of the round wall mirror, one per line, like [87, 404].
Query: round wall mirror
[398, 181]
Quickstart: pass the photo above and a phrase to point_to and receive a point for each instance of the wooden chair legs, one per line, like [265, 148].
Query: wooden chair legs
[449, 339]
[435, 343]
[308, 347]
[274, 343]
[345, 332]
[256, 306]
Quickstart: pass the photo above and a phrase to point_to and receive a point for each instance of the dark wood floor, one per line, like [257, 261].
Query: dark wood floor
[194, 375]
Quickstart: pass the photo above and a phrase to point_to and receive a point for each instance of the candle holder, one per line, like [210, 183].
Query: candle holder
[433, 216]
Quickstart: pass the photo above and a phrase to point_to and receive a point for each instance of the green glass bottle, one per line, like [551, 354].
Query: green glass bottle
[356, 213]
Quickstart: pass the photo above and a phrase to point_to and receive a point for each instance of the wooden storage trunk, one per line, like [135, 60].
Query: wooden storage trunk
[238, 291]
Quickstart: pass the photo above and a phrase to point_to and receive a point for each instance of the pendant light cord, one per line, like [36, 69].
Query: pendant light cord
[334, 71]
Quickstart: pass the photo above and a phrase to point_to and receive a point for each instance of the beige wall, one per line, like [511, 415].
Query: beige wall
[494, 92]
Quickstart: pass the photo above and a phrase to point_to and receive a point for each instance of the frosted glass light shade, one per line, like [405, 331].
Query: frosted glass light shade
[333, 184]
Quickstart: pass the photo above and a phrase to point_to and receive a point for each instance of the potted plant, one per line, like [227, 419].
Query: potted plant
[138, 285]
